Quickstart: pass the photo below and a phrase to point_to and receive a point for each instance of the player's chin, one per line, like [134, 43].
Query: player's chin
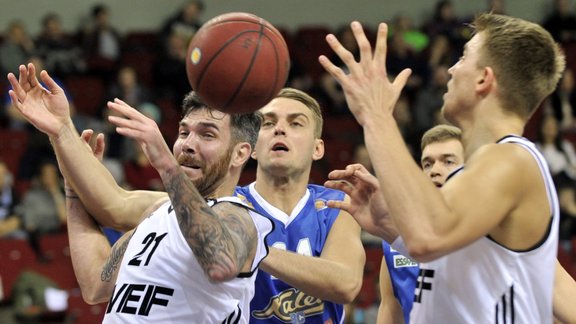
[192, 173]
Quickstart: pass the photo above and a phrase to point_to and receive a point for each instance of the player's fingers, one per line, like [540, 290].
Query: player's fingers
[362, 41]
[124, 122]
[337, 184]
[32, 75]
[380, 49]
[15, 100]
[130, 133]
[341, 174]
[339, 204]
[19, 92]
[346, 56]
[22, 75]
[86, 135]
[401, 79]
[332, 69]
[125, 109]
[52, 86]
[99, 147]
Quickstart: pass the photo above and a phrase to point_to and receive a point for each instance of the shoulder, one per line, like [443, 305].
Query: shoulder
[321, 192]
[503, 156]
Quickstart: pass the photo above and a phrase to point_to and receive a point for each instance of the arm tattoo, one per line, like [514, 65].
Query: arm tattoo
[220, 241]
[114, 259]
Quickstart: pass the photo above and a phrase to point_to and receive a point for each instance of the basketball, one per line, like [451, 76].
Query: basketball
[237, 62]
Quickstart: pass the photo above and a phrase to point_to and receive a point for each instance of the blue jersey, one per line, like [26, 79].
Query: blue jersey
[403, 274]
[304, 232]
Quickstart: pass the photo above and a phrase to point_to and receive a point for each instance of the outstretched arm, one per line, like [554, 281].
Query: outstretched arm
[432, 223]
[95, 263]
[389, 311]
[366, 204]
[336, 275]
[564, 296]
[48, 110]
[223, 238]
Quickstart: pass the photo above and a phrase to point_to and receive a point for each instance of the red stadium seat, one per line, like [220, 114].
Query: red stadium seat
[12, 145]
[309, 43]
[15, 256]
[87, 93]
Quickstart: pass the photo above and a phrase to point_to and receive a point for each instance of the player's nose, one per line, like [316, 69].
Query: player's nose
[279, 129]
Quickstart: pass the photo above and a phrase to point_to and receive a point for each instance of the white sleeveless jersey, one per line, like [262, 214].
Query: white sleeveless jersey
[488, 283]
[160, 280]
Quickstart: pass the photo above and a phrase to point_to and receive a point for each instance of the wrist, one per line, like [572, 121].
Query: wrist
[66, 132]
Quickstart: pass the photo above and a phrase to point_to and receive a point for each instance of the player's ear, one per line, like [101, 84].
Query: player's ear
[241, 154]
[486, 81]
[318, 149]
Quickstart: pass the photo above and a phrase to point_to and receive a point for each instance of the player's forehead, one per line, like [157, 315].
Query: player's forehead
[207, 118]
[436, 150]
[284, 108]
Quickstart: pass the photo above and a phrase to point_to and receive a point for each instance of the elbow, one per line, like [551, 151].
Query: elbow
[346, 291]
[422, 251]
[93, 296]
[219, 273]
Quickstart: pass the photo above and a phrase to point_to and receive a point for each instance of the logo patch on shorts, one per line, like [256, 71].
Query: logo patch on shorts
[401, 261]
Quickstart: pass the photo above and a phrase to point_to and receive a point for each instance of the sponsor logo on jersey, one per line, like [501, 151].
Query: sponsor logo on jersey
[138, 299]
[401, 261]
[320, 204]
[244, 200]
[288, 302]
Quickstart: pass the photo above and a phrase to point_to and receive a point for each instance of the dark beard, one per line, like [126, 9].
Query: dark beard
[213, 175]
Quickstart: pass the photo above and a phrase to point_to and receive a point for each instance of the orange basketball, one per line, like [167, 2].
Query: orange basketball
[237, 62]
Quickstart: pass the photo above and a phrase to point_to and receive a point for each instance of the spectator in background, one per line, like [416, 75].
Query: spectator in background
[439, 52]
[101, 42]
[170, 71]
[563, 101]
[184, 23]
[17, 47]
[330, 89]
[429, 99]
[400, 56]
[61, 55]
[139, 173]
[561, 158]
[445, 22]
[561, 22]
[402, 24]
[10, 222]
[43, 207]
[128, 87]
[403, 116]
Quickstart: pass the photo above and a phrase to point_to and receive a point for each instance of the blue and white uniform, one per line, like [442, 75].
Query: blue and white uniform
[304, 231]
[403, 274]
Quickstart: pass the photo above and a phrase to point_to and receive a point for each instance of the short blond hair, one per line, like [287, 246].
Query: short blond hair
[526, 60]
[308, 101]
[440, 133]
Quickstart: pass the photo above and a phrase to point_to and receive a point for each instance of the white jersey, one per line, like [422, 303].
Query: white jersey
[160, 280]
[488, 283]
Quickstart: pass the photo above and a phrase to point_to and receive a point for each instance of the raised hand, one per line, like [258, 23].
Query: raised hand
[45, 108]
[367, 88]
[133, 124]
[366, 204]
[97, 147]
